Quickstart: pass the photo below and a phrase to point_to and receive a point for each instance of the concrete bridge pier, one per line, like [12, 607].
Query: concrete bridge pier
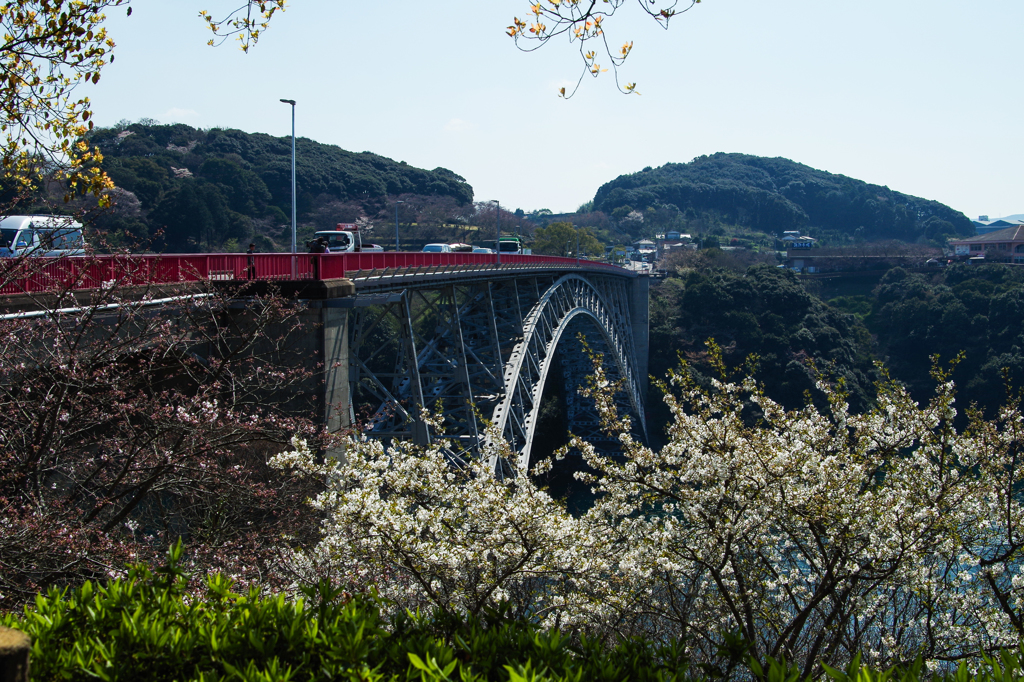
[640, 325]
[321, 345]
[337, 405]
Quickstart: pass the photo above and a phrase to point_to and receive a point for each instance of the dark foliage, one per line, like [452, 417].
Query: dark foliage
[205, 187]
[973, 313]
[977, 311]
[764, 312]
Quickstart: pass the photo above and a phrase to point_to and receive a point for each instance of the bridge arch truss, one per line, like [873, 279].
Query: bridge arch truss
[479, 350]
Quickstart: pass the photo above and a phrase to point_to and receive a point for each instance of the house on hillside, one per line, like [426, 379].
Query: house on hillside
[673, 240]
[645, 247]
[1002, 246]
[791, 239]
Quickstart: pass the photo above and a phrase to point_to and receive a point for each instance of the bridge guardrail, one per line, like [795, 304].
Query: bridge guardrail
[36, 275]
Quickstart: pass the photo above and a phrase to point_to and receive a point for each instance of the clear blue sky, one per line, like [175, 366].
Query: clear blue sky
[921, 95]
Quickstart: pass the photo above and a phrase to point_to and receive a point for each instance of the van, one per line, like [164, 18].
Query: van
[49, 236]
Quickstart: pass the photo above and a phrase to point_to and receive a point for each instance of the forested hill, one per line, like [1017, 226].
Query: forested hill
[776, 194]
[203, 188]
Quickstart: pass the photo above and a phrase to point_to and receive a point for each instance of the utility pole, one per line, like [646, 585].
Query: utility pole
[294, 236]
[497, 235]
[396, 222]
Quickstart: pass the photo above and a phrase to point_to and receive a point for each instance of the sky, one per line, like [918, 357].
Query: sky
[923, 96]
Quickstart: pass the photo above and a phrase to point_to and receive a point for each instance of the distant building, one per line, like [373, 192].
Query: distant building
[644, 246]
[671, 246]
[794, 240]
[674, 244]
[673, 240]
[1005, 245]
[985, 226]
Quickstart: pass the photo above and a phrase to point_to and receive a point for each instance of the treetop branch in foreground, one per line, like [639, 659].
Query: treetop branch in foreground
[50, 47]
[245, 23]
[584, 21]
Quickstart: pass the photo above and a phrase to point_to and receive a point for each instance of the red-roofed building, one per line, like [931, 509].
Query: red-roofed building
[1004, 246]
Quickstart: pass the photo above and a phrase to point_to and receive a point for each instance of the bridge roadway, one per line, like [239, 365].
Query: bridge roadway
[465, 336]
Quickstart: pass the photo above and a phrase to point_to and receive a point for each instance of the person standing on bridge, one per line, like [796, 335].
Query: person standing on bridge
[250, 262]
[316, 247]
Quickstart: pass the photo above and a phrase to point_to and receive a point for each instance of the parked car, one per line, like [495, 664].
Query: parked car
[437, 248]
[41, 235]
[481, 249]
[372, 247]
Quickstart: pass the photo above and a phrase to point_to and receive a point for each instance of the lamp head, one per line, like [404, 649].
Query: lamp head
[289, 101]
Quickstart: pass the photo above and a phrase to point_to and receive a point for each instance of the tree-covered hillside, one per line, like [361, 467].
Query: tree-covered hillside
[906, 321]
[202, 188]
[772, 195]
[766, 312]
[965, 309]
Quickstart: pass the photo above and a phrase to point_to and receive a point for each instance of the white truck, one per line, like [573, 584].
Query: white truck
[344, 238]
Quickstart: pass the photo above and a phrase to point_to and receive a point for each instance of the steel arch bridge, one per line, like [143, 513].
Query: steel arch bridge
[473, 338]
[476, 344]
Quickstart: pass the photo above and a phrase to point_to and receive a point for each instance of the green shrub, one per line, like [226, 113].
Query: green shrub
[158, 625]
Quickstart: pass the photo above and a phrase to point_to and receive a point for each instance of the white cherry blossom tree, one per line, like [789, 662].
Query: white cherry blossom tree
[813, 534]
[819, 534]
[427, 531]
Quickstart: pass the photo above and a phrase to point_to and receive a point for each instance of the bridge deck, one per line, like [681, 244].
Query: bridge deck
[367, 270]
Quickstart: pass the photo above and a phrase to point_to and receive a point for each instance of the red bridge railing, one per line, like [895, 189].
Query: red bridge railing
[32, 275]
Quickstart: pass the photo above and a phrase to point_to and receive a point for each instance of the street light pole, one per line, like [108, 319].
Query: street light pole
[396, 222]
[497, 228]
[294, 236]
